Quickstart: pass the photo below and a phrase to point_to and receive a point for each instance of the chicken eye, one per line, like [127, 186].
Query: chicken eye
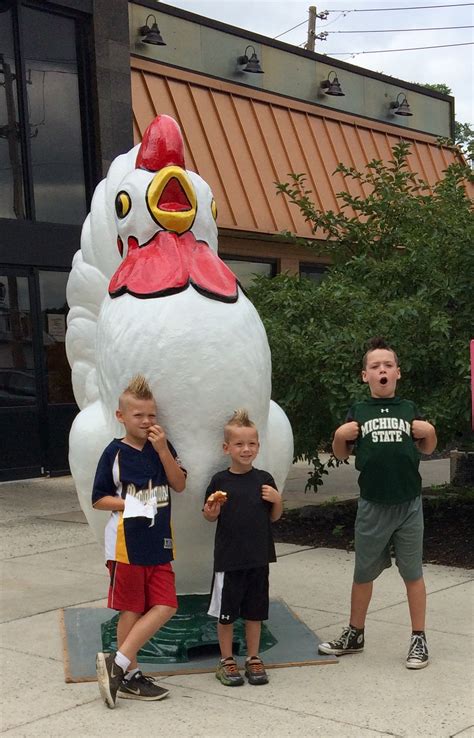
[122, 204]
[214, 209]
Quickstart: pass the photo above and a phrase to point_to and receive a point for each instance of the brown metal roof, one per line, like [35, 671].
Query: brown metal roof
[242, 141]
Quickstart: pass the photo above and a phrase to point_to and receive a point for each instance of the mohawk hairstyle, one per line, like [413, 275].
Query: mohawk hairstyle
[138, 388]
[240, 419]
[377, 343]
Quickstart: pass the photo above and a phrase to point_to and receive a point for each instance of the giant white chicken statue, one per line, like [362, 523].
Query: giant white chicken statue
[148, 294]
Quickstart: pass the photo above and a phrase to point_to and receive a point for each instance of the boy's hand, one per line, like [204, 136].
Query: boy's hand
[157, 437]
[420, 429]
[424, 435]
[270, 494]
[212, 510]
[348, 432]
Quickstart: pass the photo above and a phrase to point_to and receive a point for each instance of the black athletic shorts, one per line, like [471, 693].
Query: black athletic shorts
[242, 593]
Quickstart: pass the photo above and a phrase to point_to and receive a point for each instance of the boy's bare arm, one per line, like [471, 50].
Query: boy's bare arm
[425, 436]
[110, 502]
[270, 494]
[174, 474]
[344, 439]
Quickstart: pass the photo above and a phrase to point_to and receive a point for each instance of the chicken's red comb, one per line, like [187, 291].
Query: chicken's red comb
[162, 145]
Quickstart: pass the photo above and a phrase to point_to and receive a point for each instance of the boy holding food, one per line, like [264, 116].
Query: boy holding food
[245, 502]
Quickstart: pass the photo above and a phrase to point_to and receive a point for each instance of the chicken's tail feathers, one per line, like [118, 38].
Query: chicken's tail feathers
[92, 267]
[278, 451]
[90, 433]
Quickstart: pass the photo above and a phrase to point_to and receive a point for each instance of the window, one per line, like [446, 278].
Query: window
[54, 310]
[245, 271]
[42, 174]
[17, 371]
[313, 271]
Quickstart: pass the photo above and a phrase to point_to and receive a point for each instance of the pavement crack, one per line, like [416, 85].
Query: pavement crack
[45, 717]
[291, 710]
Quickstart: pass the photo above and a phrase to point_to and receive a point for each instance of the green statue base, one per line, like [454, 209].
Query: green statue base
[189, 635]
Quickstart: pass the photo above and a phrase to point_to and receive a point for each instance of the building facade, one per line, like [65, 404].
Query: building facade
[79, 83]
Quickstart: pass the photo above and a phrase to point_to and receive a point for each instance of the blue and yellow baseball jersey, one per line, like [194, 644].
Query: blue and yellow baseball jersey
[124, 470]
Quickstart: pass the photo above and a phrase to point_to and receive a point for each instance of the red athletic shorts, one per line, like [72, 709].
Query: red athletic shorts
[138, 588]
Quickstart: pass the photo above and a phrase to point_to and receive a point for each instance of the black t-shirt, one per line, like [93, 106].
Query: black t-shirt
[244, 537]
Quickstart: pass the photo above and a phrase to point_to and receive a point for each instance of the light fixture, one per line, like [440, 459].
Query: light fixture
[252, 63]
[151, 34]
[400, 106]
[332, 86]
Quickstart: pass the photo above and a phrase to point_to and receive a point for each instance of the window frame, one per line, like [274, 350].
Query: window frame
[82, 25]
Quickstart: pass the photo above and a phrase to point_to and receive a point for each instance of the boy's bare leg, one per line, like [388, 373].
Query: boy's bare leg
[143, 629]
[252, 636]
[225, 633]
[127, 620]
[360, 600]
[416, 594]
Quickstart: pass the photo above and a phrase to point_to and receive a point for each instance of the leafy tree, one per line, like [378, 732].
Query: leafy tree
[402, 268]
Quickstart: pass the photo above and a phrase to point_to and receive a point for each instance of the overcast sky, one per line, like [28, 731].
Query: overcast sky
[452, 65]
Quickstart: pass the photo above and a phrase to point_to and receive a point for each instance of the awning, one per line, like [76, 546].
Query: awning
[242, 140]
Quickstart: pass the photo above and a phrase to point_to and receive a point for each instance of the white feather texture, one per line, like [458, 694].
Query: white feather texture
[202, 357]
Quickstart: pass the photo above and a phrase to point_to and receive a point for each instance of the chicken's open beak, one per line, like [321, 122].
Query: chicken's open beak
[171, 200]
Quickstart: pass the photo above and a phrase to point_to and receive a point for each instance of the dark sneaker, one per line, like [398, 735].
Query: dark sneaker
[109, 676]
[228, 674]
[418, 653]
[141, 687]
[255, 671]
[351, 640]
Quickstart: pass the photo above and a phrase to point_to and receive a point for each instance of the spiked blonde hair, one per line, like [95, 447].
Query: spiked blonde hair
[240, 419]
[138, 388]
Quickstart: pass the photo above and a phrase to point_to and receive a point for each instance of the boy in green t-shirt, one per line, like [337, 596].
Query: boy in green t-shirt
[388, 434]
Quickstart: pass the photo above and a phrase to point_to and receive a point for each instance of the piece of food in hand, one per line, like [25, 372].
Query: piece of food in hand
[217, 496]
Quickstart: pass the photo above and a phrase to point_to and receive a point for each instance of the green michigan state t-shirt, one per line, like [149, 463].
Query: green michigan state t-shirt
[385, 451]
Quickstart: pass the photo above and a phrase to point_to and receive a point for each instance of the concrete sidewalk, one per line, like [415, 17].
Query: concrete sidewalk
[50, 560]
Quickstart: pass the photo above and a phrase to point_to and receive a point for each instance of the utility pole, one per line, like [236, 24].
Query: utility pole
[311, 28]
[312, 35]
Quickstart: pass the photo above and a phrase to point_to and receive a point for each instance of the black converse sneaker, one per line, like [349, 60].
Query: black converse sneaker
[109, 677]
[141, 687]
[351, 640]
[418, 652]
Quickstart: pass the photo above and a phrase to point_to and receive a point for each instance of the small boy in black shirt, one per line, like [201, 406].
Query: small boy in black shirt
[243, 548]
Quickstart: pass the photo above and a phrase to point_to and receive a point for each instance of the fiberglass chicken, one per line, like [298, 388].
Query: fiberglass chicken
[148, 294]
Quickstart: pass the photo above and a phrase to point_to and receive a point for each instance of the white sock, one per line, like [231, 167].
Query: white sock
[131, 674]
[122, 661]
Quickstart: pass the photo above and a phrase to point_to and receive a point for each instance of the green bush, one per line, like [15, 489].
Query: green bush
[402, 269]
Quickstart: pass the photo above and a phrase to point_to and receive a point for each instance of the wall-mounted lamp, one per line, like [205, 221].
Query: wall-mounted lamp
[332, 86]
[252, 63]
[151, 34]
[400, 106]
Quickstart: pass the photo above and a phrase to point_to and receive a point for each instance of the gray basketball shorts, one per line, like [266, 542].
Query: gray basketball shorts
[377, 527]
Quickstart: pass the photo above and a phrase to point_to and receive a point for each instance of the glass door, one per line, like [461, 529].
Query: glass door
[22, 442]
[36, 401]
[59, 401]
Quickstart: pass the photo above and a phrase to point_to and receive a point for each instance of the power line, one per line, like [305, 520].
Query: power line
[414, 7]
[291, 29]
[404, 30]
[385, 51]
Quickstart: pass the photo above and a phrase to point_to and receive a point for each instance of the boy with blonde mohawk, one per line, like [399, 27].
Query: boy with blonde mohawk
[243, 548]
[132, 481]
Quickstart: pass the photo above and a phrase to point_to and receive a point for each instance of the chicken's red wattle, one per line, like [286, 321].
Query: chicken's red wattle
[169, 263]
